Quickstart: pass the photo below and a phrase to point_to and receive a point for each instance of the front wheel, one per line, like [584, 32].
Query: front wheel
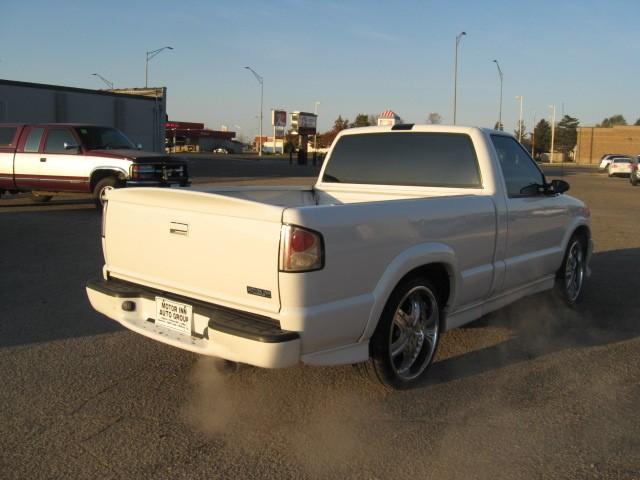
[102, 188]
[37, 197]
[570, 277]
[407, 335]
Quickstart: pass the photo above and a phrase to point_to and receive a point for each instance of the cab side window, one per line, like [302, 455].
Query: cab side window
[519, 170]
[33, 140]
[56, 139]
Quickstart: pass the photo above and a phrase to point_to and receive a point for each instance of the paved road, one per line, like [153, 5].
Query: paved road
[534, 391]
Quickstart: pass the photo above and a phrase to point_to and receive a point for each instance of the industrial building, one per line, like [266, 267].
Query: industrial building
[139, 112]
[594, 142]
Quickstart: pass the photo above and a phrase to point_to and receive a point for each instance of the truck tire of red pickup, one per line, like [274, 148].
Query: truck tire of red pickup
[37, 197]
[406, 338]
[101, 189]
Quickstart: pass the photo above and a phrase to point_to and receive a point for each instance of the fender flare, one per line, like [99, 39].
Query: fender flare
[407, 261]
[119, 170]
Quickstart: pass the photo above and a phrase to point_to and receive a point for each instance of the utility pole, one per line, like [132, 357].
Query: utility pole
[520, 97]
[500, 103]
[150, 55]
[455, 77]
[107, 82]
[533, 135]
[261, 82]
[553, 130]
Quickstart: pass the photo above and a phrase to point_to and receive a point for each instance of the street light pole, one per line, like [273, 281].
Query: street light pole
[107, 82]
[553, 130]
[520, 97]
[500, 107]
[150, 55]
[455, 77]
[533, 135]
[261, 82]
[315, 135]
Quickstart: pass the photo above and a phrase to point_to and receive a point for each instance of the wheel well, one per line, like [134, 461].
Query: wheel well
[439, 275]
[583, 232]
[100, 174]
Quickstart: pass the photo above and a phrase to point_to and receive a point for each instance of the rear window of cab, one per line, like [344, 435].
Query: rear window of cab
[422, 159]
[7, 135]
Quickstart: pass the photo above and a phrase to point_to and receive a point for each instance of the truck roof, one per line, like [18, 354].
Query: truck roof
[415, 127]
[53, 124]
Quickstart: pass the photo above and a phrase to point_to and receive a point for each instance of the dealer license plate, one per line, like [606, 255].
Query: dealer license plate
[174, 315]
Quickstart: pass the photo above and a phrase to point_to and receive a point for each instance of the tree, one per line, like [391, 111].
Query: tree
[521, 131]
[613, 120]
[373, 119]
[637, 123]
[566, 133]
[340, 124]
[362, 120]
[542, 136]
[434, 118]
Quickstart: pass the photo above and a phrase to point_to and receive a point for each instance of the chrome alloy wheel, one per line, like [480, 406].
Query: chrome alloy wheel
[413, 335]
[574, 271]
[103, 194]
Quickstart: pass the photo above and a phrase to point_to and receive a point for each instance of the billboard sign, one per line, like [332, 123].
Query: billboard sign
[279, 118]
[303, 123]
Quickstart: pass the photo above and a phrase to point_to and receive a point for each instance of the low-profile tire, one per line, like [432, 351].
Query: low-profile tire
[572, 273]
[101, 189]
[407, 335]
[36, 197]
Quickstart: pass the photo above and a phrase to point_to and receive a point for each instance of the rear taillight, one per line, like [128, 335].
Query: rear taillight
[301, 250]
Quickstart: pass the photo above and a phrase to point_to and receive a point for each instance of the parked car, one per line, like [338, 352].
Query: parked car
[619, 166]
[606, 160]
[634, 174]
[409, 231]
[49, 158]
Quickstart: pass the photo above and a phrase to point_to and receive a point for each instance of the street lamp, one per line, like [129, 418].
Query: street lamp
[500, 107]
[261, 82]
[553, 130]
[533, 135]
[455, 77]
[315, 135]
[107, 82]
[150, 55]
[520, 97]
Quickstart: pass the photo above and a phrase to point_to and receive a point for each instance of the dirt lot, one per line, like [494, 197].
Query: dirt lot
[533, 391]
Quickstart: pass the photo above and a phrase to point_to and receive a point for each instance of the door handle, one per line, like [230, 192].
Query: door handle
[43, 159]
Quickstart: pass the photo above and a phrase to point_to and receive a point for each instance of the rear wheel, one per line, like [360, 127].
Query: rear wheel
[37, 197]
[570, 277]
[407, 335]
[102, 188]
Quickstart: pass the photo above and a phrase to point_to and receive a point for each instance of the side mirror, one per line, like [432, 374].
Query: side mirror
[71, 146]
[559, 186]
[139, 146]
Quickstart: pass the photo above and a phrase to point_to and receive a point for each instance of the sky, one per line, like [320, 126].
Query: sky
[351, 56]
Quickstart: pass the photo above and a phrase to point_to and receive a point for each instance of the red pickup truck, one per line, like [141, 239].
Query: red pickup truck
[48, 158]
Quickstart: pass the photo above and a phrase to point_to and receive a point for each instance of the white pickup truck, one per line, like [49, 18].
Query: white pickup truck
[410, 231]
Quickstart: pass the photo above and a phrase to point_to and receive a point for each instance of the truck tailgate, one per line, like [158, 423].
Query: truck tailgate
[211, 247]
